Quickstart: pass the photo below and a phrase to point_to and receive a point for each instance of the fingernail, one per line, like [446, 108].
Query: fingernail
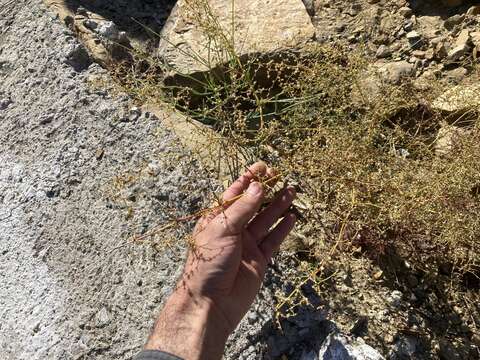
[255, 189]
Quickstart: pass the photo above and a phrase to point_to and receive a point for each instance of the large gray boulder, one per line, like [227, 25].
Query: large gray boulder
[203, 34]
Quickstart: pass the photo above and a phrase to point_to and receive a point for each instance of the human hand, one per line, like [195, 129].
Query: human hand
[224, 269]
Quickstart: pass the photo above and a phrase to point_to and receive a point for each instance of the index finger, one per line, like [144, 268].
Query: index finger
[255, 172]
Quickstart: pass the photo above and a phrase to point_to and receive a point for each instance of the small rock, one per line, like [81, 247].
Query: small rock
[252, 317]
[77, 57]
[403, 153]
[388, 339]
[134, 114]
[90, 24]
[457, 53]
[110, 31]
[352, 39]
[408, 26]
[414, 38]
[457, 75]
[378, 275]
[429, 54]
[360, 327]
[99, 154]
[452, 21]
[394, 72]
[154, 168]
[383, 52]
[436, 40]
[405, 11]
[406, 347]
[340, 27]
[102, 318]
[5, 103]
[46, 119]
[425, 81]
[36, 328]
[420, 54]
[354, 10]
[447, 137]
[395, 298]
[463, 39]
[441, 51]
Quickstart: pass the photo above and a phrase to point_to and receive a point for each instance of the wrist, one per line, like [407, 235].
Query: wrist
[189, 327]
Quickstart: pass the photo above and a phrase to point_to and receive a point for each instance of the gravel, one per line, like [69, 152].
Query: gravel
[72, 286]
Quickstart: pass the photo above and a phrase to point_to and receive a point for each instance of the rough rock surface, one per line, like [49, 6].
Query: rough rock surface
[461, 98]
[191, 40]
[338, 347]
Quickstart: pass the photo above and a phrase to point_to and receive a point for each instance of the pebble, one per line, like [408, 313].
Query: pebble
[99, 154]
[102, 318]
[457, 75]
[457, 53]
[405, 11]
[378, 275]
[5, 103]
[383, 52]
[414, 38]
[452, 21]
[463, 38]
[406, 347]
[252, 317]
[395, 298]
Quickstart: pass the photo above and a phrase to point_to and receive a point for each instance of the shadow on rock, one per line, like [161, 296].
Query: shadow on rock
[442, 8]
[435, 323]
[133, 17]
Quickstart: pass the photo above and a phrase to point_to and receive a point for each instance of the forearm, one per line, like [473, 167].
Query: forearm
[189, 328]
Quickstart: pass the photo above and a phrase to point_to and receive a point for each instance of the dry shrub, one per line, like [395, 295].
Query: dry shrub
[369, 169]
[373, 170]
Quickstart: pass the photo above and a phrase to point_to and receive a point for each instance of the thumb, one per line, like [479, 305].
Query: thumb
[241, 212]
